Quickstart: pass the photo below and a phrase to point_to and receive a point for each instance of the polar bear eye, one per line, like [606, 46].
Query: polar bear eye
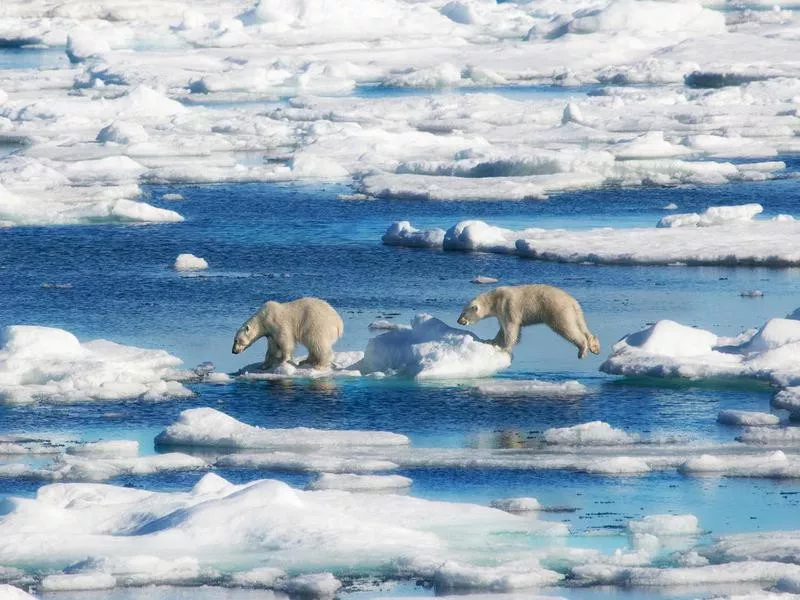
[247, 329]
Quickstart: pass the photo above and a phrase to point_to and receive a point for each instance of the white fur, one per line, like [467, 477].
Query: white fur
[308, 321]
[521, 305]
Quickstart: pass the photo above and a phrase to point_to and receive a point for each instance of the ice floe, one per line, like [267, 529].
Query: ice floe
[747, 418]
[430, 349]
[669, 349]
[49, 364]
[190, 262]
[595, 433]
[533, 388]
[731, 236]
[206, 427]
[359, 483]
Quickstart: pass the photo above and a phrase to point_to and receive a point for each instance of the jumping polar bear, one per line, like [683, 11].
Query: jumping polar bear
[309, 321]
[520, 305]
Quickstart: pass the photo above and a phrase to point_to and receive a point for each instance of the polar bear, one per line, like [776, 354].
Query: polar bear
[308, 321]
[520, 305]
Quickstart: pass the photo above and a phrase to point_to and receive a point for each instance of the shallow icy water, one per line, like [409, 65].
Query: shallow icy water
[265, 241]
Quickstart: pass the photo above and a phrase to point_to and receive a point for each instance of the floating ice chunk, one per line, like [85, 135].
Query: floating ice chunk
[83, 43]
[260, 577]
[748, 571]
[516, 388]
[517, 505]
[108, 448]
[344, 364]
[122, 132]
[713, 216]
[359, 483]
[617, 465]
[9, 592]
[670, 206]
[770, 437]
[479, 236]
[433, 350]
[506, 578]
[209, 427]
[384, 325]
[752, 294]
[788, 399]
[306, 462]
[82, 582]
[662, 525]
[45, 363]
[401, 233]
[127, 210]
[595, 433]
[190, 262]
[773, 465]
[483, 280]
[781, 546]
[171, 197]
[748, 418]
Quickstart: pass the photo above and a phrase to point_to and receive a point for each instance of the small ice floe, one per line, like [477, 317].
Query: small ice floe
[344, 364]
[49, 364]
[359, 483]
[483, 280]
[401, 233]
[731, 236]
[747, 418]
[529, 388]
[788, 399]
[665, 525]
[595, 433]
[206, 427]
[306, 462]
[106, 448]
[430, 349]
[386, 325]
[752, 294]
[453, 576]
[669, 349]
[670, 206]
[189, 262]
[779, 436]
[78, 582]
[775, 465]
[171, 197]
[517, 505]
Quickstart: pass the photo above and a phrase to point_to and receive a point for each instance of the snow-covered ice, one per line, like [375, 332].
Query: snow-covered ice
[747, 418]
[431, 349]
[359, 483]
[206, 427]
[595, 433]
[730, 236]
[529, 388]
[669, 349]
[190, 262]
[49, 364]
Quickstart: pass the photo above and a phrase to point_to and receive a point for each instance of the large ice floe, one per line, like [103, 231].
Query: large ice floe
[731, 235]
[45, 363]
[172, 93]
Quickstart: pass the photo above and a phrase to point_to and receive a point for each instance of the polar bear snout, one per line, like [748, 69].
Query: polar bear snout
[462, 320]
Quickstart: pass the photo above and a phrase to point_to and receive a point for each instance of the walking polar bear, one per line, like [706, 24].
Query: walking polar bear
[521, 305]
[308, 321]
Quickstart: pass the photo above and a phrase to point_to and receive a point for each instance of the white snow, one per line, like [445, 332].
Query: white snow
[306, 462]
[49, 364]
[190, 262]
[10, 592]
[401, 233]
[713, 216]
[83, 582]
[432, 350]
[207, 427]
[533, 388]
[483, 280]
[359, 483]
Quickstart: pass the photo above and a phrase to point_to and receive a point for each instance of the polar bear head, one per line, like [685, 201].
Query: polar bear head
[248, 333]
[475, 310]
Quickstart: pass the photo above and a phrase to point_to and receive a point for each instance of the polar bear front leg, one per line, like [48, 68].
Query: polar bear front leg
[510, 333]
[274, 355]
